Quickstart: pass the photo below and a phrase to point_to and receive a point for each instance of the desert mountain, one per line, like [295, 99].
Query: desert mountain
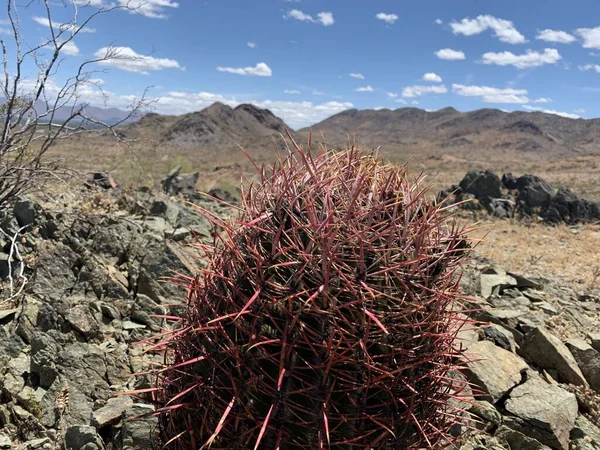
[217, 127]
[484, 129]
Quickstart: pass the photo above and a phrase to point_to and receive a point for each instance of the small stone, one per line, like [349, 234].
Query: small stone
[139, 432]
[181, 234]
[5, 442]
[506, 317]
[112, 411]
[129, 325]
[36, 444]
[8, 314]
[547, 308]
[518, 441]
[545, 412]
[535, 296]
[486, 411]
[494, 369]
[4, 416]
[595, 340]
[78, 436]
[588, 360]
[586, 430]
[496, 279]
[499, 336]
[547, 352]
[80, 319]
[26, 212]
[12, 384]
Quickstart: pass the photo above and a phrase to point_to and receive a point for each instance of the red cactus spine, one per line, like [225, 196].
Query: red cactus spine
[326, 318]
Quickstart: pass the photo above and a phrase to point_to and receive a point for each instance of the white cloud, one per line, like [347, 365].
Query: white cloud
[252, 44]
[401, 100]
[324, 18]
[490, 94]
[365, 89]
[433, 77]
[292, 92]
[5, 31]
[414, 102]
[524, 61]
[388, 18]
[359, 76]
[590, 36]
[561, 37]
[317, 92]
[579, 111]
[70, 49]
[439, 21]
[392, 94]
[595, 67]
[66, 27]
[417, 91]
[542, 100]
[260, 70]
[449, 54]
[125, 58]
[153, 9]
[552, 111]
[503, 29]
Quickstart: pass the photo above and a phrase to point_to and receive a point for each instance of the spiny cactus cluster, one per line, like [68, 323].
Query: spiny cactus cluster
[326, 318]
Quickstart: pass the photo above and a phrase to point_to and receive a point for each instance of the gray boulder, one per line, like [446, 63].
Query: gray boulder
[588, 360]
[533, 193]
[81, 436]
[544, 412]
[494, 370]
[485, 186]
[139, 432]
[112, 411]
[175, 183]
[546, 351]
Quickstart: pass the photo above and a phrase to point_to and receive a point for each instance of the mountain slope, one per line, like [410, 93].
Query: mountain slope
[221, 126]
[448, 128]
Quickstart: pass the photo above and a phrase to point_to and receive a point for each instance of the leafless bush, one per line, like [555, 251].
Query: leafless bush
[36, 112]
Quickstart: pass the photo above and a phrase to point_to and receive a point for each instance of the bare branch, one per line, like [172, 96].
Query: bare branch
[38, 113]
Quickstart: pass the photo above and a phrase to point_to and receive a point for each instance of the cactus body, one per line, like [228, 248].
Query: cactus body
[326, 318]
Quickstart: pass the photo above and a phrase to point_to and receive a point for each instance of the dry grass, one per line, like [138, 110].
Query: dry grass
[147, 160]
[567, 254]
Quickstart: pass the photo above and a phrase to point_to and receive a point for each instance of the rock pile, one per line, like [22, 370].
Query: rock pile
[524, 196]
[90, 281]
[92, 277]
[532, 364]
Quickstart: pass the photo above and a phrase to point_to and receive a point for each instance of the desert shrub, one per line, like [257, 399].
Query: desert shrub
[326, 317]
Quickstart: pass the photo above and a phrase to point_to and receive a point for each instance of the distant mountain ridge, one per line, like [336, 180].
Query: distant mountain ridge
[448, 128]
[109, 116]
[221, 128]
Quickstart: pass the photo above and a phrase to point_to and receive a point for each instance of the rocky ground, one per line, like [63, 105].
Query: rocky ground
[82, 279]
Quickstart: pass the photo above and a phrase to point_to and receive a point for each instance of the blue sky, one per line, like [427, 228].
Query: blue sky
[308, 59]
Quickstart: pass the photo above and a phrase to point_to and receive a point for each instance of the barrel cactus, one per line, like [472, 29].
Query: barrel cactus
[326, 318]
